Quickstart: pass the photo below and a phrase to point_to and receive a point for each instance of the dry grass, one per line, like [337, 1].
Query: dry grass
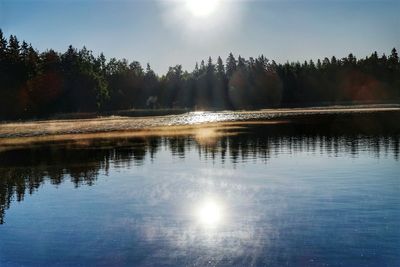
[203, 126]
[202, 133]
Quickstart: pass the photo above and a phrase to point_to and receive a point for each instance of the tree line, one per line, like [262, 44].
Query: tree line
[37, 84]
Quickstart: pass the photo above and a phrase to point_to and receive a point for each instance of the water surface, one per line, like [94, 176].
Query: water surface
[266, 195]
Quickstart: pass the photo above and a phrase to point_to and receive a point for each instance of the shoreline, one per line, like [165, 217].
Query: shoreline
[19, 133]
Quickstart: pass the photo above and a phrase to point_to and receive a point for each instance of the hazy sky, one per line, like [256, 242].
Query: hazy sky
[166, 33]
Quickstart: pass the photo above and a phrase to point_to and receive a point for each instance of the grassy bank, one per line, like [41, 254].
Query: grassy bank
[389, 115]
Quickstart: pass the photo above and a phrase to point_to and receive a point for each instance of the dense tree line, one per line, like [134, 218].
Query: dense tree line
[34, 84]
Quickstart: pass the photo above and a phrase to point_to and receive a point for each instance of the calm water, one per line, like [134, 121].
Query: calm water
[264, 196]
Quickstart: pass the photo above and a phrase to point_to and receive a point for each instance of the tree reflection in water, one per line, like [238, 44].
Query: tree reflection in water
[24, 170]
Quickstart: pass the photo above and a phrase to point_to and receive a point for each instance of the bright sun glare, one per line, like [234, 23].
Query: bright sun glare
[202, 8]
[210, 213]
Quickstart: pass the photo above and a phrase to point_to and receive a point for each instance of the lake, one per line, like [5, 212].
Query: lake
[259, 194]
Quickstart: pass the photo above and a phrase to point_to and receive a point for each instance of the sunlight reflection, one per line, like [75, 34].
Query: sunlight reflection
[207, 136]
[210, 213]
[202, 116]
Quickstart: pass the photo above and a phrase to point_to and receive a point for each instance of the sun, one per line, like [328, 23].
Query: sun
[202, 8]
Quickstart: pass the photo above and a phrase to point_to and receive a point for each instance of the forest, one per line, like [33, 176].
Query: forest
[36, 84]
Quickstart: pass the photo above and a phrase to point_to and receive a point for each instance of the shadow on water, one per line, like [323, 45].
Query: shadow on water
[24, 169]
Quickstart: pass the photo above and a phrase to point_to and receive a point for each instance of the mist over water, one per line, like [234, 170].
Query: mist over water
[261, 195]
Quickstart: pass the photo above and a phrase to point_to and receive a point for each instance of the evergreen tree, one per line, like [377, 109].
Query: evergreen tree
[220, 67]
[196, 69]
[230, 65]
[241, 63]
[210, 66]
[13, 49]
[34, 84]
[394, 58]
[3, 46]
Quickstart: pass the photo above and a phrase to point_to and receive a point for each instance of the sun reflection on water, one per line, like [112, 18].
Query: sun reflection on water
[210, 213]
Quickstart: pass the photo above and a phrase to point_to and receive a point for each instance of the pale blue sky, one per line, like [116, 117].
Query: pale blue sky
[164, 33]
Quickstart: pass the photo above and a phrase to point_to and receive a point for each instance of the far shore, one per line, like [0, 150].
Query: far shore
[18, 133]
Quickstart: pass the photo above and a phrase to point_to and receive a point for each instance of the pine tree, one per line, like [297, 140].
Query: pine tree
[241, 65]
[210, 66]
[394, 58]
[13, 49]
[333, 60]
[220, 67]
[196, 69]
[230, 65]
[202, 66]
[3, 46]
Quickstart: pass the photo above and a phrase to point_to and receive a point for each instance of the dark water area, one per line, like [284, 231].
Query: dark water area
[306, 194]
